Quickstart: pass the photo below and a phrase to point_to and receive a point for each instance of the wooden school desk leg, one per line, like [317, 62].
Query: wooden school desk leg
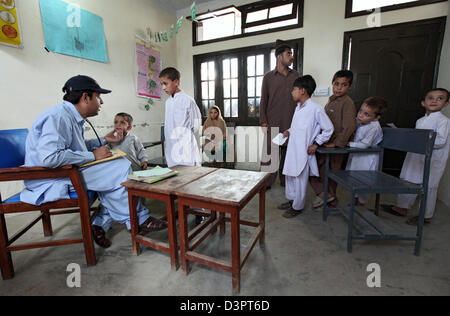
[222, 223]
[6, 264]
[134, 223]
[47, 223]
[235, 251]
[171, 222]
[262, 214]
[182, 220]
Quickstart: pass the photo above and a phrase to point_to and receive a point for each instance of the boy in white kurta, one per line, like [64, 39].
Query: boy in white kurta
[310, 128]
[182, 123]
[368, 134]
[412, 170]
[131, 145]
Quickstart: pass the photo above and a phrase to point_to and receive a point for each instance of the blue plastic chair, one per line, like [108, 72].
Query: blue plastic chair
[12, 144]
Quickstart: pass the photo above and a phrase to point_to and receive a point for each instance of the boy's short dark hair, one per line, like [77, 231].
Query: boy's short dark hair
[378, 104]
[437, 89]
[306, 82]
[344, 74]
[170, 73]
[126, 116]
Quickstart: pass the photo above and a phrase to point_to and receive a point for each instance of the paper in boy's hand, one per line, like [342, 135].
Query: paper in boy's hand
[279, 140]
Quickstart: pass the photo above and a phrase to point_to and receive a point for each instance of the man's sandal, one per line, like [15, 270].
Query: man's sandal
[152, 224]
[100, 237]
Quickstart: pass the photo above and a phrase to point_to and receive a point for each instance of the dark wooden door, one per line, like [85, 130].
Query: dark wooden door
[399, 63]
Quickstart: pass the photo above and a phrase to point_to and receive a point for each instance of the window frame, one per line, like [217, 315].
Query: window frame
[252, 7]
[350, 14]
[242, 54]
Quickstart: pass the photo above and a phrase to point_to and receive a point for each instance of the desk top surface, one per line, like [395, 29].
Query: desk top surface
[225, 186]
[168, 186]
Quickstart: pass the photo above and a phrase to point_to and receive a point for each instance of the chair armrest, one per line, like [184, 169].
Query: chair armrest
[348, 150]
[35, 173]
[151, 144]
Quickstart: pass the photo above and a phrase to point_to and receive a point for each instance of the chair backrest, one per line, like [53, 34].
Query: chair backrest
[12, 145]
[419, 141]
[163, 138]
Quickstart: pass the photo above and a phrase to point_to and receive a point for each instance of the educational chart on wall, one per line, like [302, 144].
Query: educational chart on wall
[70, 30]
[149, 66]
[9, 24]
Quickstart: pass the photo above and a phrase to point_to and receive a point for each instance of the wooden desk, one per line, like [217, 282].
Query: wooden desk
[224, 191]
[162, 191]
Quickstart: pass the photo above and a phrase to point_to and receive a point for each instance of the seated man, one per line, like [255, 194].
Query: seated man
[57, 139]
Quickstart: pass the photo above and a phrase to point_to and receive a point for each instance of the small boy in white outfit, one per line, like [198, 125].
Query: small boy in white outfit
[311, 127]
[131, 145]
[368, 134]
[412, 171]
[182, 122]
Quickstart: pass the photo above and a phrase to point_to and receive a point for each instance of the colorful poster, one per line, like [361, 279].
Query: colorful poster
[9, 24]
[149, 66]
[70, 30]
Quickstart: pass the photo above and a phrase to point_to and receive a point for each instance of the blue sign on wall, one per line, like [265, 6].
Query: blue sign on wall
[72, 31]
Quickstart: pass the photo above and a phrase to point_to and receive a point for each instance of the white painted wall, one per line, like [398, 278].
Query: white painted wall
[31, 79]
[444, 82]
[323, 32]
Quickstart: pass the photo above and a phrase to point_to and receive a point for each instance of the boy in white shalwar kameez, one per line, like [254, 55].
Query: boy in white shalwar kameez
[412, 170]
[368, 134]
[182, 122]
[310, 128]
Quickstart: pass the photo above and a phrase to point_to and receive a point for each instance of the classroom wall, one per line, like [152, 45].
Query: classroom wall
[444, 81]
[323, 31]
[31, 78]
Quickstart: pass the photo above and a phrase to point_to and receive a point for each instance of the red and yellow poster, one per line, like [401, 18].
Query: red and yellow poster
[9, 24]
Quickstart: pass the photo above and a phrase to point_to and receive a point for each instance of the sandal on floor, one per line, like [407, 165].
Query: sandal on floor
[285, 206]
[291, 213]
[389, 209]
[100, 237]
[415, 220]
[152, 224]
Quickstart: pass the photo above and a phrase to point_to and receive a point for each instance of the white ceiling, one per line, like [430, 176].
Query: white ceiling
[172, 6]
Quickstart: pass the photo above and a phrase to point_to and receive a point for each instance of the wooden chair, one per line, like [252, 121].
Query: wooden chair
[12, 143]
[159, 161]
[370, 226]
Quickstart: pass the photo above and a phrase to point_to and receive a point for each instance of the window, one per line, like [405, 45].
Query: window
[363, 7]
[208, 82]
[251, 19]
[232, 80]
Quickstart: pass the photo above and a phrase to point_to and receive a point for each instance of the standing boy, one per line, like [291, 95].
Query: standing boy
[368, 134]
[131, 145]
[412, 170]
[182, 122]
[310, 128]
[341, 110]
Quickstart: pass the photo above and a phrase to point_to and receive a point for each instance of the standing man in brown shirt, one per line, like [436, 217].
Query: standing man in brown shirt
[277, 107]
[342, 113]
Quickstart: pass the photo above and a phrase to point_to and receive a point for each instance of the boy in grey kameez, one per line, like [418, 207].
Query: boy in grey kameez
[131, 145]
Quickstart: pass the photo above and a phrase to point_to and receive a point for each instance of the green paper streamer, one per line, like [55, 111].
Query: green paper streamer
[193, 11]
[179, 24]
